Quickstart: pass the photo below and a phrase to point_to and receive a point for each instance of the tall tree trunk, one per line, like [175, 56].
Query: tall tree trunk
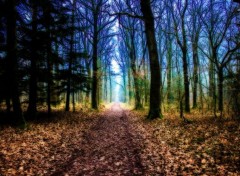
[146, 83]
[68, 93]
[138, 104]
[110, 84]
[201, 94]
[129, 87]
[88, 84]
[155, 109]
[95, 64]
[220, 89]
[70, 62]
[105, 87]
[169, 72]
[212, 86]
[186, 81]
[32, 106]
[124, 85]
[73, 102]
[49, 85]
[12, 63]
[169, 59]
[195, 74]
[161, 53]
[49, 58]
[182, 42]
[136, 80]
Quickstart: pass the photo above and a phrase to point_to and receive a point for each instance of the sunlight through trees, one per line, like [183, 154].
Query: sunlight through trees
[156, 55]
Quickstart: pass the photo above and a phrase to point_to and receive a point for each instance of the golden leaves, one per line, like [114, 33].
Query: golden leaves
[44, 146]
[198, 148]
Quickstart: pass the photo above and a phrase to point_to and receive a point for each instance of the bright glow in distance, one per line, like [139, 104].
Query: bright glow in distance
[117, 80]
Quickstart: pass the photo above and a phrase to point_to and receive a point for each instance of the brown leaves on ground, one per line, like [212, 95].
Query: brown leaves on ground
[121, 142]
[110, 147]
[44, 146]
[207, 146]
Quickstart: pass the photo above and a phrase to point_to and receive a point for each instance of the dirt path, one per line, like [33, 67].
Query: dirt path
[111, 147]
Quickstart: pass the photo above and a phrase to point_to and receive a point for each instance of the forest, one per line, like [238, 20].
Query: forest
[157, 80]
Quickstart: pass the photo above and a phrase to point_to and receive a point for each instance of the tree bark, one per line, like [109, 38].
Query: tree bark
[68, 93]
[32, 106]
[136, 79]
[110, 84]
[169, 71]
[169, 59]
[212, 85]
[138, 104]
[220, 89]
[95, 64]
[195, 74]
[186, 81]
[49, 57]
[182, 42]
[124, 85]
[129, 86]
[12, 62]
[88, 68]
[70, 63]
[155, 109]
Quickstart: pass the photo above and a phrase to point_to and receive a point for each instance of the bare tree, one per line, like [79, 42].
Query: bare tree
[100, 21]
[155, 109]
[132, 9]
[178, 10]
[128, 30]
[221, 46]
[195, 27]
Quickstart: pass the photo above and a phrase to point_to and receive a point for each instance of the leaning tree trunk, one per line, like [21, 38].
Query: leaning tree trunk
[155, 109]
[12, 63]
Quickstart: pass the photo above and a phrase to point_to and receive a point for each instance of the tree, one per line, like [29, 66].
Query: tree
[195, 27]
[129, 34]
[169, 56]
[12, 62]
[133, 10]
[181, 37]
[3, 77]
[100, 23]
[155, 109]
[70, 58]
[32, 107]
[221, 46]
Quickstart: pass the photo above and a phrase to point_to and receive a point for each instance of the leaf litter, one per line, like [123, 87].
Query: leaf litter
[121, 142]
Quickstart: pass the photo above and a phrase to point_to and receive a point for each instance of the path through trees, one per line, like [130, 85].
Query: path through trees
[110, 147]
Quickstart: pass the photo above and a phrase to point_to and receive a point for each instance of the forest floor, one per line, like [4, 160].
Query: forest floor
[117, 141]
